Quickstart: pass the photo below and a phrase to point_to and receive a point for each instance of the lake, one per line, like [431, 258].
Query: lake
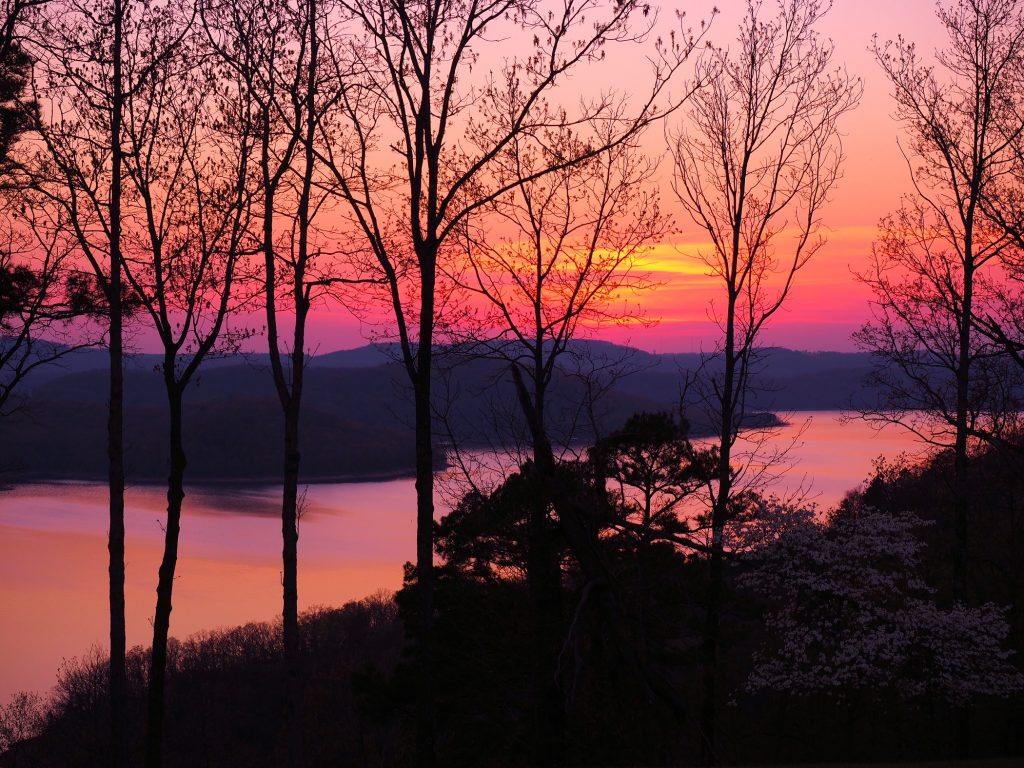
[354, 539]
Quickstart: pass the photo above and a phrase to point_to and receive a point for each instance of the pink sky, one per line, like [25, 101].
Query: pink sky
[827, 303]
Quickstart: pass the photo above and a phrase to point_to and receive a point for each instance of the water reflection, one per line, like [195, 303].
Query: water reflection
[354, 538]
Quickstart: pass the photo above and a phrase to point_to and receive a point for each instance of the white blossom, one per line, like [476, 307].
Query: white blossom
[848, 610]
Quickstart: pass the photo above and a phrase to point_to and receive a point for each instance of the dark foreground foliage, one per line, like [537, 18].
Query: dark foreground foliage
[841, 640]
[225, 700]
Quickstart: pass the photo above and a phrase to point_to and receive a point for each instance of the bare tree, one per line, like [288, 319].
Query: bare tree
[188, 165]
[40, 300]
[35, 305]
[754, 166]
[178, 179]
[937, 262]
[998, 316]
[935, 271]
[79, 48]
[428, 128]
[275, 50]
[555, 255]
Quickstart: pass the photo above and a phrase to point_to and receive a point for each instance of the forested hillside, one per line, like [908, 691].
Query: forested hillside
[361, 413]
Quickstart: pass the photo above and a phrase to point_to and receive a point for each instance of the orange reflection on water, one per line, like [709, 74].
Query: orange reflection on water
[354, 539]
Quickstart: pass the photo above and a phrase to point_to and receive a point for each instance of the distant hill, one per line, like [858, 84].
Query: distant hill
[357, 412]
[784, 380]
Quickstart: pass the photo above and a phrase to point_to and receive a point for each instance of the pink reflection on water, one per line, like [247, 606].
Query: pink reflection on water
[354, 539]
[831, 456]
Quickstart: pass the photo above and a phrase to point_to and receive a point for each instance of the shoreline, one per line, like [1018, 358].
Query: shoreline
[774, 421]
[215, 482]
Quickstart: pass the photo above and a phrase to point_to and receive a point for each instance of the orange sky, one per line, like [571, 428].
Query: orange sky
[827, 303]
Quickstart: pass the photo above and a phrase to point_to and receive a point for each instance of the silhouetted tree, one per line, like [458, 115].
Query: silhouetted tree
[37, 293]
[188, 154]
[21, 719]
[619, 641]
[40, 298]
[652, 473]
[275, 50]
[553, 257]
[556, 258]
[962, 115]
[652, 468]
[17, 109]
[224, 689]
[754, 166]
[79, 48]
[428, 137]
[170, 199]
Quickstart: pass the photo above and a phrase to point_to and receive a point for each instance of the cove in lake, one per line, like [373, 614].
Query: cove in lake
[354, 539]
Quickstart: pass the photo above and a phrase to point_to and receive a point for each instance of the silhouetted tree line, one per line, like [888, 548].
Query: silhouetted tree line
[224, 698]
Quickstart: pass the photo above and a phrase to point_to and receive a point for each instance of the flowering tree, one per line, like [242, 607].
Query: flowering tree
[849, 611]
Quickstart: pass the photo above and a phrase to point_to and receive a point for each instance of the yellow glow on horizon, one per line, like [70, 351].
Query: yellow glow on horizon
[675, 258]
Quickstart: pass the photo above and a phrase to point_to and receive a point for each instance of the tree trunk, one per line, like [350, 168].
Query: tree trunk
[719, 514]
[165, 583]
[545, 585]
[292, 403]
[544, 580]
[961, 580]
[117, 672]
[961, 510]
[425, 714]
[290, 612]
[584, 546]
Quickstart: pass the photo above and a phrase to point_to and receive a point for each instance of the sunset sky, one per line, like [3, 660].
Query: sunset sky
[827, 304]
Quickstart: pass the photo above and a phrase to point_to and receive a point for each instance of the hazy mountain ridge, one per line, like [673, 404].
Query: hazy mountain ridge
[357, 418]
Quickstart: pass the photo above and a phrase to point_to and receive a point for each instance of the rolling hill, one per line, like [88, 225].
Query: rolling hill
[358, 414]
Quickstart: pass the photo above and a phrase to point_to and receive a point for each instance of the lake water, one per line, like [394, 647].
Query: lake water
[354, 539]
